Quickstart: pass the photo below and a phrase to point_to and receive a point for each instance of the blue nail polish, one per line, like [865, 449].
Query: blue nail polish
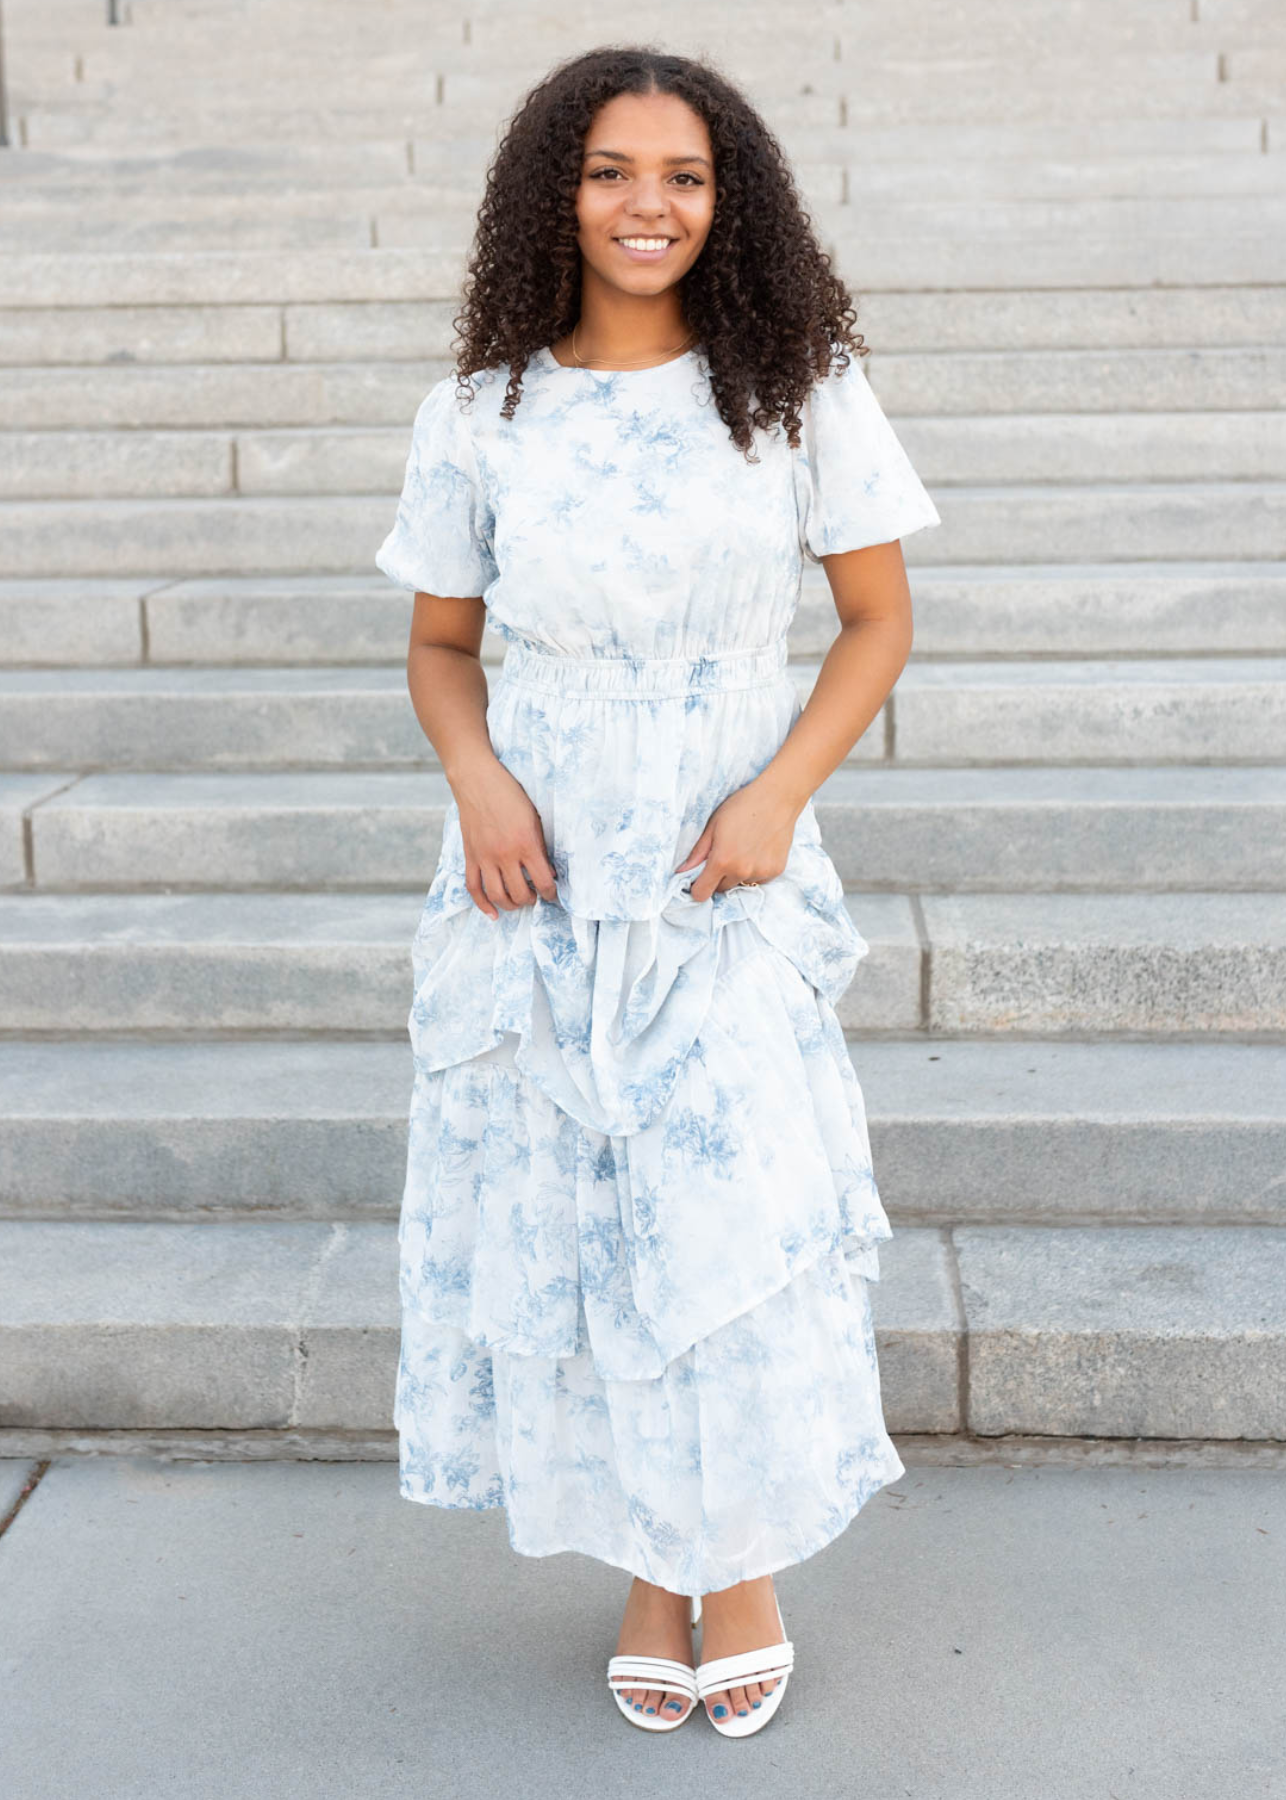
[651, 1709]
[756, 1702]
[638, 1706]
[720, 1712]
[674, 1706]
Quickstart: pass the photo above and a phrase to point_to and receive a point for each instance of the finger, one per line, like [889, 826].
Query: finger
[493, 882]
[709, 878]
[520, 889]
[473, 882]
[699, 850]
[540, 872]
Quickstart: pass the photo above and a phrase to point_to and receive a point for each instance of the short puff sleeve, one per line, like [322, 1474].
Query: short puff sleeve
[442, 538]
[853, 480]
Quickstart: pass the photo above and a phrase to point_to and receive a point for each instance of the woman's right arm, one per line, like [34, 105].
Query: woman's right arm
[500, 827]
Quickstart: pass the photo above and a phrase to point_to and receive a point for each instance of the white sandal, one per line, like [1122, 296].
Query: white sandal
[657, 1672]
[773, 1660]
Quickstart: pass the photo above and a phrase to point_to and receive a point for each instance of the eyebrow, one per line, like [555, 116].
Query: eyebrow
[621, 156]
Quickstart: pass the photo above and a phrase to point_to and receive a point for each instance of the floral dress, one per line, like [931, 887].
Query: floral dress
[640, 1212]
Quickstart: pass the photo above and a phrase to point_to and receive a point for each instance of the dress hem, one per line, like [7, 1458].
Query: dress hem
[820, 1542]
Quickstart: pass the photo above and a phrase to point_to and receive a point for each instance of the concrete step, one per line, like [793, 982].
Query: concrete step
[1195, 321]
[1138, 965]
[1071, 83]
[1124, 609]
[1032, 302]
[339, 534]
[941, 144]
[1096, 389]
[1149, 447]
[1226, 710]
[955, 830]
[424, 211]
[1134, 1330]
[43, 184]
[963, 1132]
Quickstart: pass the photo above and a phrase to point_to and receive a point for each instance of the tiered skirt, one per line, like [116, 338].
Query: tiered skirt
[640, 1214]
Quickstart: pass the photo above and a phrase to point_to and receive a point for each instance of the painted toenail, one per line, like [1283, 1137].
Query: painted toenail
[638, 1706]
[720, 1712]
[674, 1706]
[756, 1702]
[741, 1712]
[651, 1709]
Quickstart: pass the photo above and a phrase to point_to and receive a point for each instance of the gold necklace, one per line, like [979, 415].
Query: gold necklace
[641, 360]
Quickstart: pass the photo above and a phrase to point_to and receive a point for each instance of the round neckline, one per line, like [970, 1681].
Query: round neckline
[656, 368]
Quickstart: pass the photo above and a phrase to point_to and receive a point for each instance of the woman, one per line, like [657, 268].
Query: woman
[640, 1214]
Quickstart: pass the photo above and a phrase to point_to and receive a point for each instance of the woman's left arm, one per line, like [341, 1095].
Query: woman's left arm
[748, 836]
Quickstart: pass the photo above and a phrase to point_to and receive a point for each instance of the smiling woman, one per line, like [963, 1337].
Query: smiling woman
[640, 1215]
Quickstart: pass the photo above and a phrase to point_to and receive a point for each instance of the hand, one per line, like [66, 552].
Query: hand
[502, 834]
[748, 838]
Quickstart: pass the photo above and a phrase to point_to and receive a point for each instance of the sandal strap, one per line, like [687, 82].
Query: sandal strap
[750, 1665]
[652, 1672]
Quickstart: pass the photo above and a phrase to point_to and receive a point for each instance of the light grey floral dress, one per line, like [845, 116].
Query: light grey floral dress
[640, 1213]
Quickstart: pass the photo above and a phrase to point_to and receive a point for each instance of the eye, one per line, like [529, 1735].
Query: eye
[608, 169]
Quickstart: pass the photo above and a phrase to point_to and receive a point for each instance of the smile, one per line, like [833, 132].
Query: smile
[632, 247]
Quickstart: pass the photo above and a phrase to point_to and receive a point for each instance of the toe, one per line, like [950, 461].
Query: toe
[673, 1706]
[652, 1700]
[719, 1706]
[740, 1704]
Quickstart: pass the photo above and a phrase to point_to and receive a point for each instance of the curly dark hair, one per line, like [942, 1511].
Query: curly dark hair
[762, 297]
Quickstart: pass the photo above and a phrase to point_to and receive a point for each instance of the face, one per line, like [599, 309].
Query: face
[648, 172]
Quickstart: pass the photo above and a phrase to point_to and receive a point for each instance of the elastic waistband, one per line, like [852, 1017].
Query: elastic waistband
[640, 677]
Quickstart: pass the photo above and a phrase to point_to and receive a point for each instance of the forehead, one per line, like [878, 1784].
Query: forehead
[657, 126]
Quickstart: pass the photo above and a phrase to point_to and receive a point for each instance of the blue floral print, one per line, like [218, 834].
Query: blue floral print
[640, 1213]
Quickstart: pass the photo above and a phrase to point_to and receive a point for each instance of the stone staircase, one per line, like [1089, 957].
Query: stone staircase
[232, 236]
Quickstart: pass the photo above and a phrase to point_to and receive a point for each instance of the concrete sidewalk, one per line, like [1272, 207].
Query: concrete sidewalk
[296, 1629]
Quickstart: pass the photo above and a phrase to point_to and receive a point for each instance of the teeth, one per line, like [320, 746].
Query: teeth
[645, 243]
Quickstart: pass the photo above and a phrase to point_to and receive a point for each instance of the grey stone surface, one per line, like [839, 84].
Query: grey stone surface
[71, 622]
[1138, 963]
[294, 962]
[920, 1332]
[975, 1131]
[1034, 829]
[1143, 1330]
[233, 962]
[293, 1323]
[1229, 709]
[1112, 609]
[1199, 709]
[985, 1131]
[149, 1325]
[331, 619]
[298, 829]
[15, 1474]
[87, 465]
[18, 795]
[296, 1629]
[1022, 829]
[122, 1128]
[1088, 609]
[209, 718]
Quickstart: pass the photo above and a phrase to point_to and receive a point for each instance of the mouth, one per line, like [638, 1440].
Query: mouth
[645, 256]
